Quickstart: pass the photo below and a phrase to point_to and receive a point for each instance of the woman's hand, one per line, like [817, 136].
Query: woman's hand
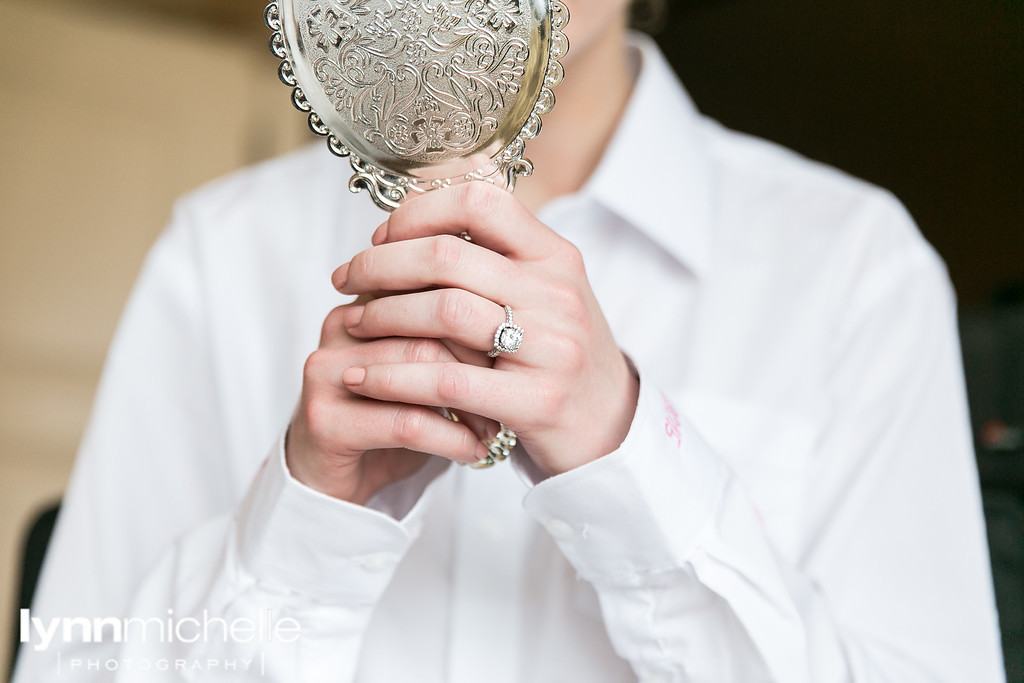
[569, 392]
[348, 446]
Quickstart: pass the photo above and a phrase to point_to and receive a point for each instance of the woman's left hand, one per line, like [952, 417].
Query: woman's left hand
[568, 393]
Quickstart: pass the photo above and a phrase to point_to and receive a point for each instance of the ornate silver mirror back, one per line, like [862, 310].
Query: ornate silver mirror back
[422, 94]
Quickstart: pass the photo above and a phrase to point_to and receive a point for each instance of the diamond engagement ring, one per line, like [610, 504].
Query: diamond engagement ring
[508, 337]
[498, 448]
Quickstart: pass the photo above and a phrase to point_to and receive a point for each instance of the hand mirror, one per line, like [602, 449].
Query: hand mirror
[422, 94]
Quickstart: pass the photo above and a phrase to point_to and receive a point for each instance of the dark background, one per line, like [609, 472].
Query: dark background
[924, 97]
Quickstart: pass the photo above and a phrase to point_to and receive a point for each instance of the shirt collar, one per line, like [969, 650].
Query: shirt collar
[655, 173]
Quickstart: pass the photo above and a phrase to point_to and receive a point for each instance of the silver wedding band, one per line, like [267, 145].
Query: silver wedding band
[498, 448]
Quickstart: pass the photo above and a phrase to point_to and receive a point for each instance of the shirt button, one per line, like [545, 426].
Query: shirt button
[559, 529]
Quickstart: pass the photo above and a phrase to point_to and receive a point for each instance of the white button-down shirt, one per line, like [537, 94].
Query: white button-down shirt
[796, 499]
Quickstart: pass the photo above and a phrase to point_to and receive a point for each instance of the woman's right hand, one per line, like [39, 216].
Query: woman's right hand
[348, 446]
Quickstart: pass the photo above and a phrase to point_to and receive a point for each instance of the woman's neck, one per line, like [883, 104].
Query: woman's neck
[590, 102]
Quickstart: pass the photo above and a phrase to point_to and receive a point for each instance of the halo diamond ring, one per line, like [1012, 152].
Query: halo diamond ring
[508, 337]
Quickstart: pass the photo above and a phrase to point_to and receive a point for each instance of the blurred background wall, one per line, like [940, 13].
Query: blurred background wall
[107, 115]
[111, 110]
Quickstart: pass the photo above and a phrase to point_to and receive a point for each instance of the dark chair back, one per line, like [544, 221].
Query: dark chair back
[993, 349]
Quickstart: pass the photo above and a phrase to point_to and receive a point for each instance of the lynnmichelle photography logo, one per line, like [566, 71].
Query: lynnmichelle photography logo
[66, 636]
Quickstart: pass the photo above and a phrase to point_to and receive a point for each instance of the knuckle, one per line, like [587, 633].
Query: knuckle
[318, 411]
[451, 384]
[550, 401]
[568, 298]
[424, 350]
[446, 252]
[333, 323]
[571, 256]
[571, 354]
[478, 199]
[315, 367]
[407, 426]
[454, 311]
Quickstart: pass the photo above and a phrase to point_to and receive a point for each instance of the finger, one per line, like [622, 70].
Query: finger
[506, 397]
[326, 365]
[481, 426]
[467, 324]
[467, 355]
[439, 261]
[455, 314]
[492, 217]
[333, 332]
[373, 425]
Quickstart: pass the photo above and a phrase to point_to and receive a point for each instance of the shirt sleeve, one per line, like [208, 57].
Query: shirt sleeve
[158, 523]
[295, 575]
[892, 583]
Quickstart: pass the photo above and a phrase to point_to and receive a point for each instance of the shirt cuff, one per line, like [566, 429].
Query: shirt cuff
[641, 508]
[310, 543]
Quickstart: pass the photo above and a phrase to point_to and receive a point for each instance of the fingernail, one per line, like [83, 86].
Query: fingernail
[479, 454]
[380, 234]
[353, 377]
[340, 277]
[352, 315]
